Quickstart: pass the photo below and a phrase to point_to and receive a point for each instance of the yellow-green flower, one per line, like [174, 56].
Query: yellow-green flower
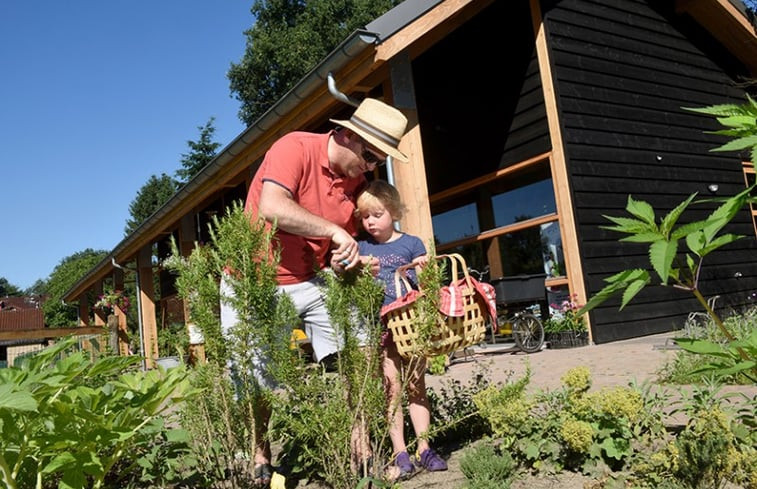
[576, 434]
[621, 402]
[577, 379]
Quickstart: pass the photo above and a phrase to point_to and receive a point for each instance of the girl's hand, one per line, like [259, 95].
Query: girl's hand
[420, 261]
[372, 262]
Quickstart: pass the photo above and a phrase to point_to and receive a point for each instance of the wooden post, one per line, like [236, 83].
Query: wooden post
[147, 306]
[99, 314]
[410, 177]
[120, 315]
[558, 165]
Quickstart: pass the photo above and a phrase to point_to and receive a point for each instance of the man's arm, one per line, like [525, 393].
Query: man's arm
[276, 204]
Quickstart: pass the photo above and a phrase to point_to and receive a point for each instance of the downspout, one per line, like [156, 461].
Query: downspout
[342, 97]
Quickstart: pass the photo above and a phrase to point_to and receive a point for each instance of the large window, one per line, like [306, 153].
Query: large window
[506, 221]
[520, 204]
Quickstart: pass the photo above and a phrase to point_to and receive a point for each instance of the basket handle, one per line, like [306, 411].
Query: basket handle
[456, 258]
[400, 279]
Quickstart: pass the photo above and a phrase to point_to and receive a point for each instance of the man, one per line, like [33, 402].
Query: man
[307, 185]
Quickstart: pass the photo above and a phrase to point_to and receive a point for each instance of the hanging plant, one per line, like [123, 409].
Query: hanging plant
[113, 298]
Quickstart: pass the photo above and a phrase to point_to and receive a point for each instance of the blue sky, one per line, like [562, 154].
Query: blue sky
[95, 97]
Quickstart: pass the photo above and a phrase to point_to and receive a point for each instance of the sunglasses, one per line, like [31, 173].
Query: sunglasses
[372, 158]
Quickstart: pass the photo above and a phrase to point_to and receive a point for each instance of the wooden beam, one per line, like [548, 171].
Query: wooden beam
[429, 28]
[728, 25]
[558, 165]
[490, 177]
[45, 333]
[494, 233]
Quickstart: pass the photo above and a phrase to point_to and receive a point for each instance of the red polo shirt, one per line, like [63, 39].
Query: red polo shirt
[299, 162]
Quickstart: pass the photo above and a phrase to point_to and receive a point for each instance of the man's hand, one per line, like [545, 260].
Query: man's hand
[345, 252]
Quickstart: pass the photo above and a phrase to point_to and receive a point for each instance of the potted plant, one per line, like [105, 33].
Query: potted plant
[565, 328]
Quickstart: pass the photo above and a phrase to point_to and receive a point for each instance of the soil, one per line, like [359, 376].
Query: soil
[613, 364]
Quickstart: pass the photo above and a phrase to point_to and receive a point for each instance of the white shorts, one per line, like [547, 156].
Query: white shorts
[310, 306]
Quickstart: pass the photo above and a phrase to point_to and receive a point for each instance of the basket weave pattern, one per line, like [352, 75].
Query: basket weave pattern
[453, 332]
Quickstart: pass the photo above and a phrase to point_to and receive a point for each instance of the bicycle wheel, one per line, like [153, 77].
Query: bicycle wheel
[528, 333]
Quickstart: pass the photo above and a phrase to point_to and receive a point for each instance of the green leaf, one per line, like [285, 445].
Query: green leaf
[745, 121]
[706, 347]
[718, 242]
[628, 225]
[687, 229]
[16, 400]
[72, 479]
[611, 449]
[661, 256]
[691, 264]
[59, 462]
[738, 144]
[641, 209]
[718, 110]
[643, 237]
[633, 288]
[672, 217]
[696, 242]
[722, 369]
[723, 214]
[616, 283]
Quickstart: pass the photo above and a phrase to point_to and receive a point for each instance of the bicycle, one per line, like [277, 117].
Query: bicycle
[522, 325]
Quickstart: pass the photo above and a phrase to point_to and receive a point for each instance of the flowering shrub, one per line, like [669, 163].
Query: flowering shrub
[565, 317]
[113, 298]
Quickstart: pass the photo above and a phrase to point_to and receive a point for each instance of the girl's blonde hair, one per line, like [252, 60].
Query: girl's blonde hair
[379, 192]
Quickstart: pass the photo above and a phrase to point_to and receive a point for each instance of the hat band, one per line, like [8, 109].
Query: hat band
[392, 141]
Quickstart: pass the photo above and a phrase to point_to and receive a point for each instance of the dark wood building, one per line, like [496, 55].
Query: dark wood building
[529, 121]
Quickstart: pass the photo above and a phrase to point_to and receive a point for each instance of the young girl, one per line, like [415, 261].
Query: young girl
[378, 206]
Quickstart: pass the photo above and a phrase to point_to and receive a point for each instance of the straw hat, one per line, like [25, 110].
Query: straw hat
[380, 124]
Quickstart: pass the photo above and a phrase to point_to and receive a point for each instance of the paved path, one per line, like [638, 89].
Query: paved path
[611, 364]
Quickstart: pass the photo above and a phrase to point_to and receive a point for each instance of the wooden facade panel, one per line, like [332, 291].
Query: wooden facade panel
[601, 137]
[644, 30]
[625, 162]
[623, 70]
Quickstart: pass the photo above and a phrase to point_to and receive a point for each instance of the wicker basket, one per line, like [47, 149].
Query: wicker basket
[454, 333]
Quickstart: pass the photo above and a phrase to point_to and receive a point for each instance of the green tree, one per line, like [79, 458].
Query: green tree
[69, 271]
[7, 289]
[149, 199]
[38, 288]
[288, 39]
[201, 153]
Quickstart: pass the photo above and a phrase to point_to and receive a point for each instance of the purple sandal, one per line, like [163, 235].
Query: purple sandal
[402, 461]
[430, 461]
